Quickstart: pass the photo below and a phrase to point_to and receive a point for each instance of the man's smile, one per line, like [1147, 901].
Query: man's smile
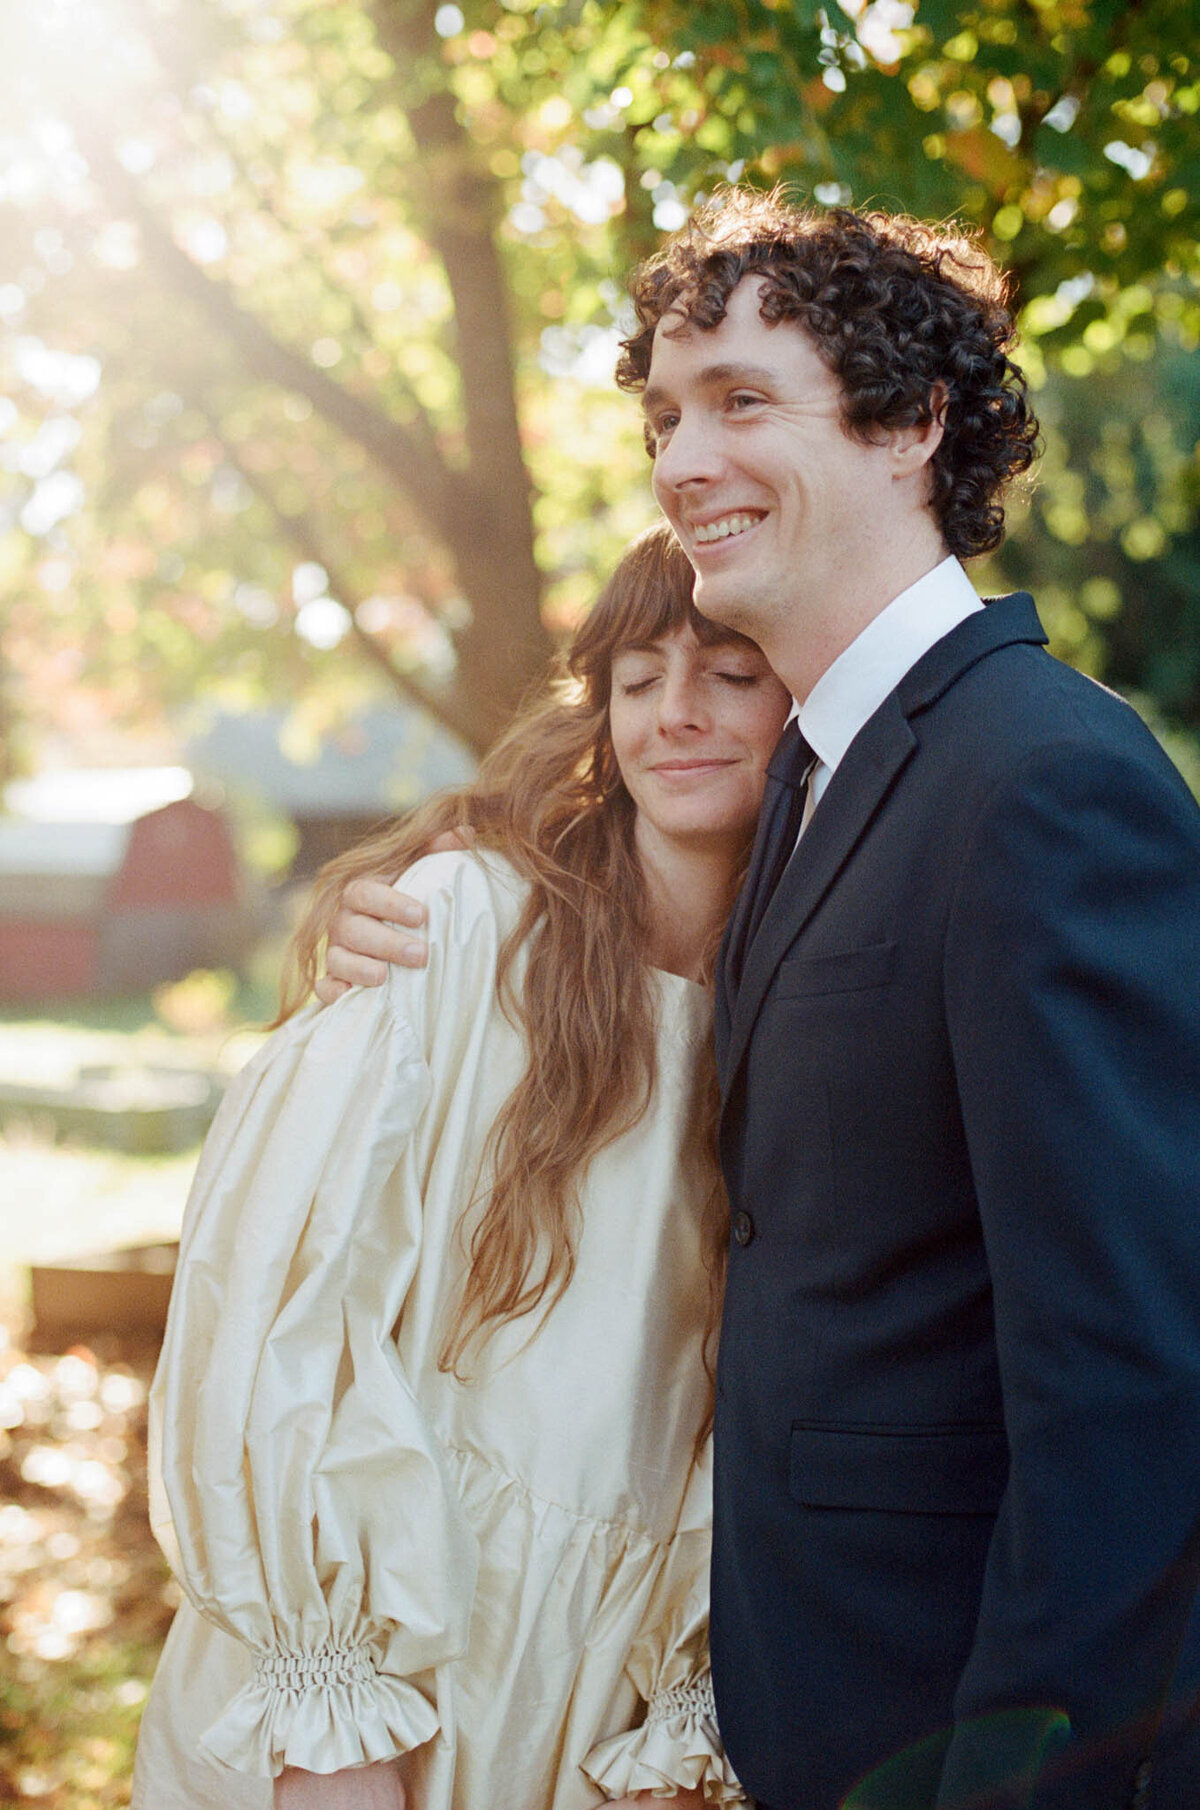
[725, 527]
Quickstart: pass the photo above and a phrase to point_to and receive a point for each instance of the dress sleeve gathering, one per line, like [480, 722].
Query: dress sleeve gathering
[676, 1747]
[296, 1488]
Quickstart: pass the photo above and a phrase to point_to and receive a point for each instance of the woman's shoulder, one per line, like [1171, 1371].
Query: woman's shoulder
[462, 889]
[473, 899]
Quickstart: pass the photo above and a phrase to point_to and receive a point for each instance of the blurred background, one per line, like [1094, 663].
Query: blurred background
[310, 452]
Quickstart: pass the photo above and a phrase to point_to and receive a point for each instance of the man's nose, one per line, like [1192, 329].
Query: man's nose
[690, 455]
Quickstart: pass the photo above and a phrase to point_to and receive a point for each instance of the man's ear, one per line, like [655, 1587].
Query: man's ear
[912, 447]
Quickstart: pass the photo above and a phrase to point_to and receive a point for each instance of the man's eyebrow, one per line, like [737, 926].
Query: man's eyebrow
[713, 377]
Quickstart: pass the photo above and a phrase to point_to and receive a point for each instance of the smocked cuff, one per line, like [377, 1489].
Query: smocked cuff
[323, 1710]
[677, 1748]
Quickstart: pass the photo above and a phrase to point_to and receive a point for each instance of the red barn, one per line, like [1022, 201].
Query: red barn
[117, 907]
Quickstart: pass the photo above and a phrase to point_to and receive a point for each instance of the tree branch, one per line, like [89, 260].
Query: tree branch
[447, 706]
[406, 453]
[175, 54]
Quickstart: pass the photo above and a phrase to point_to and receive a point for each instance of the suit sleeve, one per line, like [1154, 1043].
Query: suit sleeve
[1073, 1004]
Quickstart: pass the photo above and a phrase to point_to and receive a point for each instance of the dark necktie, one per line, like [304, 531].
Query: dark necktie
[778, 827]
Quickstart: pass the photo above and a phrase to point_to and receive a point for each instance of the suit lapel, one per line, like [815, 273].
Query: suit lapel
[854, 794]
[733, 942]
[851, 800]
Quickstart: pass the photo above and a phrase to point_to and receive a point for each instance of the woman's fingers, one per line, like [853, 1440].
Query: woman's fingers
[374, 896]
[363, 960]
[328, 990]
[373, 926]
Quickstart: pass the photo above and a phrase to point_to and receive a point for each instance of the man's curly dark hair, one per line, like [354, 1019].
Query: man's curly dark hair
[912, 319]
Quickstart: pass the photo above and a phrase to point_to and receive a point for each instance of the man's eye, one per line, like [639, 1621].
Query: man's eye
[663, 426]
[739, 678]
[743, 399]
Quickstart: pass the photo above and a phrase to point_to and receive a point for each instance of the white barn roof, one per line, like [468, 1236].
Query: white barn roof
[378, 762]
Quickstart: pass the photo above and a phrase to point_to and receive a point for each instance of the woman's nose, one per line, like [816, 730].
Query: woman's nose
[681, 704]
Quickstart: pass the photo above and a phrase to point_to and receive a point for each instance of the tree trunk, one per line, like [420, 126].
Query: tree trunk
[482, 515]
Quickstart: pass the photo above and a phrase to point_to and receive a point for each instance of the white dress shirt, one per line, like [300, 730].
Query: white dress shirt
[850, 691]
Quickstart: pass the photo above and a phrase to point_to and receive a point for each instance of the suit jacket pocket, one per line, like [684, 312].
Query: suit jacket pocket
[847, 971]
[908, 1471]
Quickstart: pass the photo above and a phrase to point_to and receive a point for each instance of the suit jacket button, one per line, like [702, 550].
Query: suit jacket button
[743, 1227]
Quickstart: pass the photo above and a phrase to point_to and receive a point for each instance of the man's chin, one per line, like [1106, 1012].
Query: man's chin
[723, 604]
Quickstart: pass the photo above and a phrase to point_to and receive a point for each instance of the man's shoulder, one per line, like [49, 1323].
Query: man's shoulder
[1025, 730]
[1021, 696]
[1002, 703]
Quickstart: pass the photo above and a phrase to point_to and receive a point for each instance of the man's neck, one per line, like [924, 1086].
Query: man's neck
[822, 633]
[849, 692]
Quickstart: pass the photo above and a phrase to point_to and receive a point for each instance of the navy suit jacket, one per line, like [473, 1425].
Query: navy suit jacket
[957, 1537]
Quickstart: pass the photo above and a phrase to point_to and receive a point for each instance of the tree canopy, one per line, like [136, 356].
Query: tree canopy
[1067, 129]
[309, 308]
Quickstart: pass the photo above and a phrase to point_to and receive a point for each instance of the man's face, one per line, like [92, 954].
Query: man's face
[775, 506]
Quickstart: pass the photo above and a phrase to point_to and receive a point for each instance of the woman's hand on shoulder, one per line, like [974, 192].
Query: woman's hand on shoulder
[378, 1787]
[367, 932]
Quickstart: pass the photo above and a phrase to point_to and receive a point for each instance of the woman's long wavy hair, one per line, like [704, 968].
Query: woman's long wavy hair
[550, 798]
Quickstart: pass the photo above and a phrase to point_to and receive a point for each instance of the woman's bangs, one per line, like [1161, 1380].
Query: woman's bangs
[656, 600]
[649, 596]
[657, 595]
[649, 612]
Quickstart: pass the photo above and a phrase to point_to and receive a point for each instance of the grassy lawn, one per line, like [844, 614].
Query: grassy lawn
[63, 1198]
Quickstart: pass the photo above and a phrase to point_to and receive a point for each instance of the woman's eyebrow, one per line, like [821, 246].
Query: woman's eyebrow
[636, 647]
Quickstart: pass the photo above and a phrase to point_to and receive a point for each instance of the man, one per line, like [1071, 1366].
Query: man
[957, 1539]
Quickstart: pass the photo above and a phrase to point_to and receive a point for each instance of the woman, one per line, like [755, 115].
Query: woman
[430, 1420]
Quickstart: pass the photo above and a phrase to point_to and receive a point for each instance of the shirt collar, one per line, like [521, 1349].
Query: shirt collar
[850, 691]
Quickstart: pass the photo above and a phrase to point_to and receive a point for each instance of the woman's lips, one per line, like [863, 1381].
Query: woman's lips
[690, 766]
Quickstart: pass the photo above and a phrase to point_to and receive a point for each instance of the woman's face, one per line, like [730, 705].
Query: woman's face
[693, 727]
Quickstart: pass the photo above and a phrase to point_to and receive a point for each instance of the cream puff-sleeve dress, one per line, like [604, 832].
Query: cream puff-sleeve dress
[504, 1579]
